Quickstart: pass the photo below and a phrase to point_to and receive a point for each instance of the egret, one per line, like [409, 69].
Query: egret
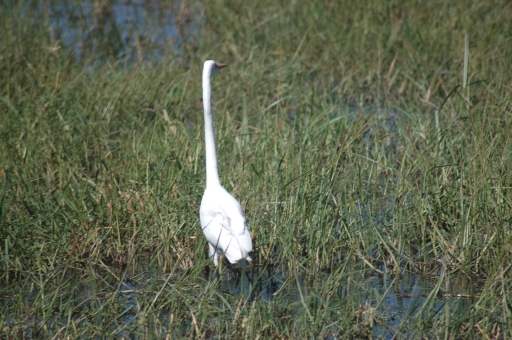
[222, 219]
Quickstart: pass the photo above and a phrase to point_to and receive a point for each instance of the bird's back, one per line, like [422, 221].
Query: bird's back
[224, 226]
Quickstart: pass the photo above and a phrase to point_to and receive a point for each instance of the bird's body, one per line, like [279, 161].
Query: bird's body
[222, 219]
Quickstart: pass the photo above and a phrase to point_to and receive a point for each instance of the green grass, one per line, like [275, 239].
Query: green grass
[376, 185]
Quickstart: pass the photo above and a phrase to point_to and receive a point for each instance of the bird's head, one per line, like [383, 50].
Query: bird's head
[213, 67]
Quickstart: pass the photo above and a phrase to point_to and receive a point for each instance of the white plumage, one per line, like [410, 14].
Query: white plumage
[222, 219]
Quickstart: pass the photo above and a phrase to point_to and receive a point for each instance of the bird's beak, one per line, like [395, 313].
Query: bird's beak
[222, 65]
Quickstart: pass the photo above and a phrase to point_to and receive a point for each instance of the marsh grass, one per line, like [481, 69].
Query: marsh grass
[368, 145]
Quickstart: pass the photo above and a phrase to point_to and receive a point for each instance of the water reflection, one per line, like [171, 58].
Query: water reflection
[136, 30]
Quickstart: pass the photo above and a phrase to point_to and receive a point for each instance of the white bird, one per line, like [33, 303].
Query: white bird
[222, 218]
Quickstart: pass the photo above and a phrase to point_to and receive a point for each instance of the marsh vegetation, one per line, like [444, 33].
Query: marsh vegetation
[368, 144]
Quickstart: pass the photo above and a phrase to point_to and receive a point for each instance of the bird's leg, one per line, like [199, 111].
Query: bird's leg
[243, 273]
[207, 271]
[246, 272]
[212, 254]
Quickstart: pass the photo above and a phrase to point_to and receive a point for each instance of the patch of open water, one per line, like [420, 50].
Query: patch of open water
[135, 29]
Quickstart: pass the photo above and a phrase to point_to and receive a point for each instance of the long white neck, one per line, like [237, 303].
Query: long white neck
[212, 172]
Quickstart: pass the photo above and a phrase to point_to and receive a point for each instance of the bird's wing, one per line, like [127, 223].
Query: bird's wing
[220, 211]
[238, 224]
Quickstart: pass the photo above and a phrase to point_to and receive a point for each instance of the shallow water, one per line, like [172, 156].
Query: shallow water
[139, 30]
[386, 302]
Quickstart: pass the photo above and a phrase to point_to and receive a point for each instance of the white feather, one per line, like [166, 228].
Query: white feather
[222, 219]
